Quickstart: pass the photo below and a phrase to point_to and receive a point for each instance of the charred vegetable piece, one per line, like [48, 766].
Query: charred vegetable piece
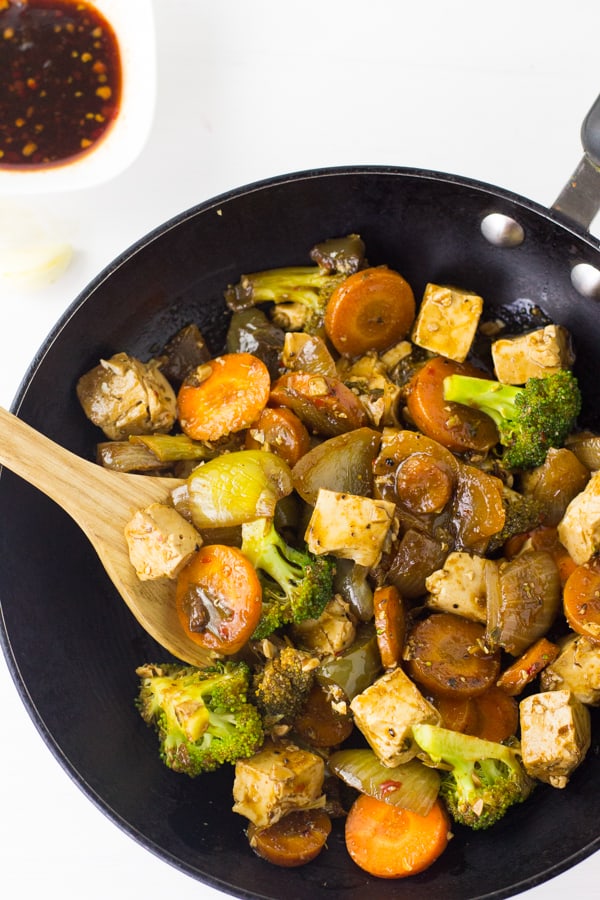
[319, 724]
[356, 668]
[307, 353]
[294, 840]
[183, 353]
[528, 666]
[345, 255]
[390, 624]
[325, 405]
[169, 448]
[251, 331]
[447, 656]
[309, 287]
[124, 456]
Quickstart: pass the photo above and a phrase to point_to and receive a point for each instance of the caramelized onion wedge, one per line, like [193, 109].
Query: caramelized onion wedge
[412, 785]
[525, 602]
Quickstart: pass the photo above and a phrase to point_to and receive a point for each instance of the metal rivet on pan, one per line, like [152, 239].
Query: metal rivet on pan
[502, 231]
[586, 280]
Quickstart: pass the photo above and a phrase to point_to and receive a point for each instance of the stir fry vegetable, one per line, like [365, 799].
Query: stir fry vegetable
[399, 572]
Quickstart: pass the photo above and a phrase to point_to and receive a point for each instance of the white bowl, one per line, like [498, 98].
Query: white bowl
[133, 24]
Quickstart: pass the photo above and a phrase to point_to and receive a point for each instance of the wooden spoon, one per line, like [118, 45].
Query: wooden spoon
[102, 502]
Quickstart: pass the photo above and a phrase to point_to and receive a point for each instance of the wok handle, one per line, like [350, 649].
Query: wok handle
[590, 134]
[579, 200]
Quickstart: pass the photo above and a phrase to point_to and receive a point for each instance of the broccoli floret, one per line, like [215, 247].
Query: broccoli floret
[202, 715]
[529, 419]
[296, 585]
[282, 686]
[523, 514]
[305, 288]
[481, 779]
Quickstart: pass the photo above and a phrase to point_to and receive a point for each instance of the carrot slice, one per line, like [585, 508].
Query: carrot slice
[223, 395]
[458, 713]
[319, 724]
[218, 598]
[457, 427]
[370, 310]
[445, 656]
[281, 431]
[293, 841]
[390, 624]
[496, 715]
[390, 842]
[523, 670]
[581, 599]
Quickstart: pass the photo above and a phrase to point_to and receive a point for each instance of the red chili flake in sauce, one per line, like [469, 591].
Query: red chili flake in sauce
[60, 84]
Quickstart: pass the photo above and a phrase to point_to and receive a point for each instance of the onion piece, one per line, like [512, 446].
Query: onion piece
[412, 785]
[352, 583]
[523, 600]
[235, 488]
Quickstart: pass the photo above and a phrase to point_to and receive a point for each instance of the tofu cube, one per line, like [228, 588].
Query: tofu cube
[277, 780]
[160, 542]
[533, 355]
[351, 527]
[385, 713]
[577, 669]
[447, 321]
[332, 633]
[460, 587]
[579, 528]
[555, 735]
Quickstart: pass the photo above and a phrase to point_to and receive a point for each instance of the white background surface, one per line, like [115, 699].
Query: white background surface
[247, 90]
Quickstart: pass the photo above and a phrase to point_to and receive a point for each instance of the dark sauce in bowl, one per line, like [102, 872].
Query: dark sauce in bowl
[60, 85]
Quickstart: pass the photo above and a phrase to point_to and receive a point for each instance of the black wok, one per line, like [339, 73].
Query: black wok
[71, 644]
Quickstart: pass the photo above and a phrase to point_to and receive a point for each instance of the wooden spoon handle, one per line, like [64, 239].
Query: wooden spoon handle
[60, 474]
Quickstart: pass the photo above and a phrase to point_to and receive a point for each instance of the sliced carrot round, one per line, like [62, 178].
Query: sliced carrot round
[281, 431]
[222, 396]
[446, 656]
[370, 310]
[581, 599]
[219, 598]
[457, 427]
[295, 840]
[390, 842]
[390, 624]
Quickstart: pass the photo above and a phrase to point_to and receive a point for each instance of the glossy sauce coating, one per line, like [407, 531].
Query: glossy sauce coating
[61, 81]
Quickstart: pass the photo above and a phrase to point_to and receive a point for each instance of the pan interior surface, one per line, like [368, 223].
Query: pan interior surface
[71, 644]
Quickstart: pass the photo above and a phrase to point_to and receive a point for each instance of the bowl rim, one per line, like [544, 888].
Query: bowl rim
[126, 137]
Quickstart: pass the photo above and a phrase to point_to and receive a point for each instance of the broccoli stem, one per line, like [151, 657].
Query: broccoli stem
[491, 397]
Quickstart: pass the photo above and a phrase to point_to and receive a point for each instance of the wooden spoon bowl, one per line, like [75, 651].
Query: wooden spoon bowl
[102, 502]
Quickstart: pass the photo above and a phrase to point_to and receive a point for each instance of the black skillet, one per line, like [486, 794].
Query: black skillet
[71, 644]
